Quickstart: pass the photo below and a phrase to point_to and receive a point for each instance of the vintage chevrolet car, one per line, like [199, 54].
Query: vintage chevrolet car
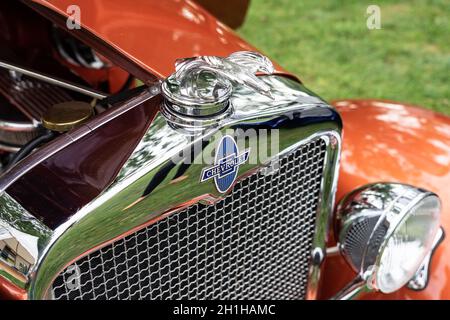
[148, 152]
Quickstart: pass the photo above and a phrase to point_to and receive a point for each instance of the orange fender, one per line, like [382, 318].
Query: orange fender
[394, 142]
[151, 34]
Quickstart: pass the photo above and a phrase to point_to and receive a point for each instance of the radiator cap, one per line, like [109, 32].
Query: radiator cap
[201, 87]
[65, 116]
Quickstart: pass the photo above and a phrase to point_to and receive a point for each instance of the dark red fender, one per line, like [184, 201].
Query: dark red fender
[389, 141]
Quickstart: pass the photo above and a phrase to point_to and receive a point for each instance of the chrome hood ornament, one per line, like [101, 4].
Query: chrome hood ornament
[201, 86]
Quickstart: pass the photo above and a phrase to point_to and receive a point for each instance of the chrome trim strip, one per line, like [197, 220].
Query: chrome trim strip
[325, 211]
[333, 251]
[352, 290]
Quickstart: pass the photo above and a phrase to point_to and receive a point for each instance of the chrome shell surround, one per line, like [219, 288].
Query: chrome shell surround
[118, 211]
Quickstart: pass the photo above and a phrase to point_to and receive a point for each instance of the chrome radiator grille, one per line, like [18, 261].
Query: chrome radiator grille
[253, 244]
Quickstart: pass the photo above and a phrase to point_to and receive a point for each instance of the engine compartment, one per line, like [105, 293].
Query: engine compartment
[41, 66]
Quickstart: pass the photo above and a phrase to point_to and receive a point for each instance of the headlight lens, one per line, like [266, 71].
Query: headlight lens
[408, 245]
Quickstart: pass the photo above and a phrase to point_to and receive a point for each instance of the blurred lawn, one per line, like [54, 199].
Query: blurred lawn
[327, 44]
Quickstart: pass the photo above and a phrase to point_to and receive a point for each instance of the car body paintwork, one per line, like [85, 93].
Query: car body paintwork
[232, 14]
[153, 33]
[394, 142]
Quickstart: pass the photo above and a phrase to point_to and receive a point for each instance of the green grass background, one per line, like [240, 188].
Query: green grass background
[328, 45]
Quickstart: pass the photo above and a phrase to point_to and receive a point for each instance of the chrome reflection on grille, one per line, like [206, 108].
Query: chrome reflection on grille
[253, 244]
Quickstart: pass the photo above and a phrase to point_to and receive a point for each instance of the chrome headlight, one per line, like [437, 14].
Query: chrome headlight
[386, 231]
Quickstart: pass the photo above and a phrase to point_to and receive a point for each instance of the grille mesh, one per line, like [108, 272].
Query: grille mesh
[253, 244]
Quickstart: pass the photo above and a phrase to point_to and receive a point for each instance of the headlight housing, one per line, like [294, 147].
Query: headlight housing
[386, 230]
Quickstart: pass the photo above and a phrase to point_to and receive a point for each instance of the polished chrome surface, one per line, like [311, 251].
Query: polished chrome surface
[244, 103]
[110, 207]
[352, 290]
[52, 80]
[253, 244]
[289, 99]
[124, 208]
[420, 280]
[192, 125]
[21, 238]
[367, 218]
[333, 251]
[202, 86]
